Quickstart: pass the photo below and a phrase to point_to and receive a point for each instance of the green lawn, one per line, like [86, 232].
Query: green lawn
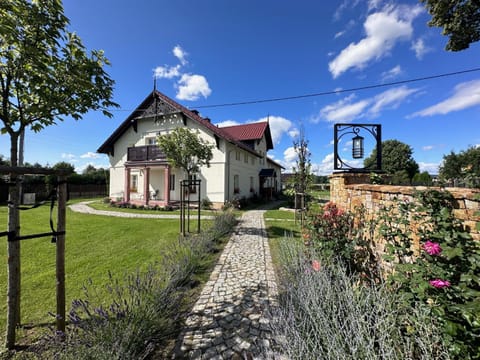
[94, 246]
[277, 228]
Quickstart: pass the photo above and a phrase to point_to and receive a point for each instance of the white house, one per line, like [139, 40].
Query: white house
[140, 173]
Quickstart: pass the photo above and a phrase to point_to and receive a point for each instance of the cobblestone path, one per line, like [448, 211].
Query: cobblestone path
[229, 320]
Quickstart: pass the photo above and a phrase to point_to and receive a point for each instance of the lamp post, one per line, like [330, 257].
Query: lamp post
[358, 145]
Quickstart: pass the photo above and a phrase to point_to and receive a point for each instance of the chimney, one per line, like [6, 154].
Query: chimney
[207, 119]
[196, 112]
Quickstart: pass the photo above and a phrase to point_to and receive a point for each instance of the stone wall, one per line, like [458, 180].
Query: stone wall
[349, 190]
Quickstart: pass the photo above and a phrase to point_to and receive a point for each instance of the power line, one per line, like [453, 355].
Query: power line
[331, 92]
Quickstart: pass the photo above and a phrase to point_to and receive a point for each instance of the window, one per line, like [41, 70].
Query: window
[252, 160]
[252, 185]
[151, 141]
[171, 184]
[134, 183]
[245, 158]
[193, 187]
[237, 155]
[236, 184]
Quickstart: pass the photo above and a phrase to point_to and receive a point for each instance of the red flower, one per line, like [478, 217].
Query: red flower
[316, 265]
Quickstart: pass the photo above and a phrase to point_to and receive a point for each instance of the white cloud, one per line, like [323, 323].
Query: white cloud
[390, 99]
[294, 133]
[227, 123]
[68, 156]
[383, 30]
[278, 126]
[347, 110]
[342, 110]
[339, 34]
[180, 54]
[346, 4]
[420, 48]
[428, 147]
[290, 155]
[465, 95]
[326, 166]
[431, 168]
[90, 155]
[392, 73]
[191, 87]
[374, 4]
[167, 72]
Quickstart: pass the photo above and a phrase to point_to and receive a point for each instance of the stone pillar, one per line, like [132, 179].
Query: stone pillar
[166, 189]
[146, 185]
[126, 189]
[338, 186]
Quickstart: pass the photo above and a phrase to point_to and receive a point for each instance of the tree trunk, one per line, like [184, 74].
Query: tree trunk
[13, 250]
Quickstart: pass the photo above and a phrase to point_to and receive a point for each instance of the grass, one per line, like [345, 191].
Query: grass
[95, 245]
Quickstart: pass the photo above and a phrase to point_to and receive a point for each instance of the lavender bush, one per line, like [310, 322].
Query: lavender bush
[327, 313]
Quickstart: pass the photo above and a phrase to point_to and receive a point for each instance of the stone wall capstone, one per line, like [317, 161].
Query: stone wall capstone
[351, 190]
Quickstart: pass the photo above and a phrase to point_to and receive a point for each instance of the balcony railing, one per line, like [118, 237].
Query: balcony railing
[145, 153]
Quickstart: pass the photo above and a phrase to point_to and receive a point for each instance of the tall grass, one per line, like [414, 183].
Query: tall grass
[328, 314]
[145, 307]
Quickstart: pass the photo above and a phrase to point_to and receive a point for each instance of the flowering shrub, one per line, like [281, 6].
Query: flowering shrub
[336, 234]
[444, 275]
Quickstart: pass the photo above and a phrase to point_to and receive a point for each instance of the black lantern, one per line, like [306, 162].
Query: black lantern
[344, 131]
[357, 147]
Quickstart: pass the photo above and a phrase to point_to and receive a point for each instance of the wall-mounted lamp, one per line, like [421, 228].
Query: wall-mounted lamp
[357, 147]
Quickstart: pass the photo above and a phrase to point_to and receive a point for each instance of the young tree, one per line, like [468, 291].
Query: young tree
[460, 20]
[46, 74]
[397, 160]
[186, 150]
[302, 172]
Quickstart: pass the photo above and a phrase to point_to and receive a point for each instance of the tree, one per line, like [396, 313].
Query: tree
[302, 172]
[186, 150]
[397, 160]
[460, 20]
[462, 165]
[46, 74]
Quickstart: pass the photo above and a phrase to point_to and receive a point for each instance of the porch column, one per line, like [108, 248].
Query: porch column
[126, 189]
[146, 185]
[166, 189]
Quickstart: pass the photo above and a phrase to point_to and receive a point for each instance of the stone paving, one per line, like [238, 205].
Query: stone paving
[229, 320]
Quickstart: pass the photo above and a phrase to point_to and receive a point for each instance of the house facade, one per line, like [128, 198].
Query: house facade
[140, 173]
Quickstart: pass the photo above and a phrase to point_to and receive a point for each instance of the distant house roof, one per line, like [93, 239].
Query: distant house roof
[253, 131]
[158, 104]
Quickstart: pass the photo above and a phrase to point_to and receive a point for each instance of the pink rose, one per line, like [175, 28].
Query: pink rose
[432, 248]
[439, 283]
[316, 265]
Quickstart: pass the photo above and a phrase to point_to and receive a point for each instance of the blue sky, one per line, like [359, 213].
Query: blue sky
[213, 52]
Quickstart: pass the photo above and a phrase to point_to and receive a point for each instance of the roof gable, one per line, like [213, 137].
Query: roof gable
[158, 104]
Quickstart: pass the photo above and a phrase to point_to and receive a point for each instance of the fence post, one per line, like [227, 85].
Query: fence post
[60, 254]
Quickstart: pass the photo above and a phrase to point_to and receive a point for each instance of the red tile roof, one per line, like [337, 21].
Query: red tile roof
[252, 131]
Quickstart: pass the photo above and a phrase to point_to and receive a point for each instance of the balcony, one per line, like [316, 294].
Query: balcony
[145, 153]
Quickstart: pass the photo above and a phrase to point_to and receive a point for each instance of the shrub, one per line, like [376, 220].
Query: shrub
[142, 310]
[326, 313]
[445, 273]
